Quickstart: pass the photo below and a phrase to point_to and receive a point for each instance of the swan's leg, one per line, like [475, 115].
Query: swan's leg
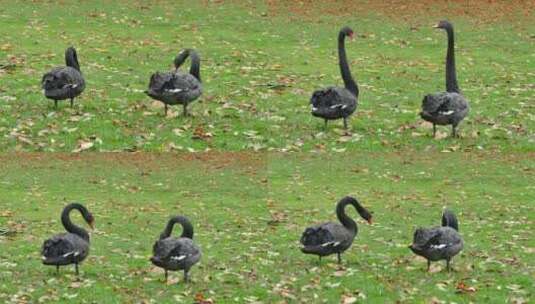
[72, 101]
[165, 275]
[339, 258]
[186, 277]
[55, 103]
[319, 261]
[428, 265]
[185, 111]
[454, 130]
[76, 268]
[434, 130]
[325, 125]
[57, 269]
[345, 123]
[165, 107]
[448, 265]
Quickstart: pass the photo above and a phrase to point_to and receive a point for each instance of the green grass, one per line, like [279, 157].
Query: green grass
[249, 211]
[260, 64]
[244, 52]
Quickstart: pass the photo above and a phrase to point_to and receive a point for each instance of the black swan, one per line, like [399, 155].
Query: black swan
[72, 247]
[329, 238]
[177, 87]
[334, 102]
[64, 82]
[450, 107]
[172, 253]
[438, 243]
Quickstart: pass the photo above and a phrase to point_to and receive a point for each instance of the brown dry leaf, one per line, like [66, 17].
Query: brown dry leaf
[200, 299]
[344, 138]
[83, 145]
[199, 133]
[435, 268]
[435, 300]
[463, 288]
[441, 135]
[6, 213]
[348, 299]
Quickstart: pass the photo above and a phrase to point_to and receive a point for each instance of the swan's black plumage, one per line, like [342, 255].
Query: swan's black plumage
[329, 238]
[68, 248]
[334, 102]
[450, 107]
[64, 82]
[438, 243]
[177, 87]
[171, 253]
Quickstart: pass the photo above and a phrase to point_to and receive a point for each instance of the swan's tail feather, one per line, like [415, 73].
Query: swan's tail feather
[450, 220]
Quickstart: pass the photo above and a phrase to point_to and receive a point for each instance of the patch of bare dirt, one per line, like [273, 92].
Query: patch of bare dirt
[251, 162]
[480, 11]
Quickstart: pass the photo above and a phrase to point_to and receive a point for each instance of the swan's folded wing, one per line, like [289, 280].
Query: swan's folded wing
[185, 248]
[326, 98]
[444, 103]
[56, 79]
[162, 248]
[57, 247]
[333, 102]
[442, 238]
[160, 82]
[186, 86]
[63, 82]
[317, 236]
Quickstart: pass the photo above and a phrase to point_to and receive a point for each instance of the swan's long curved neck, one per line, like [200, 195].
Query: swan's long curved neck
[348, 222]
[195, 68]
[451, 75]
[71, 59]
[349, 82]
[69, 226]
[187, 228]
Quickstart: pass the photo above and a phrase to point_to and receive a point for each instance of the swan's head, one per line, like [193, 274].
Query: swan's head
[366, 215]
[346, 30]
[444, 24]
[90, 220]
[363, 212]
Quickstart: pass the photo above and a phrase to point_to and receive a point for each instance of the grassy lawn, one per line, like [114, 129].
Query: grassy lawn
[260, 65]
[249, 211]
